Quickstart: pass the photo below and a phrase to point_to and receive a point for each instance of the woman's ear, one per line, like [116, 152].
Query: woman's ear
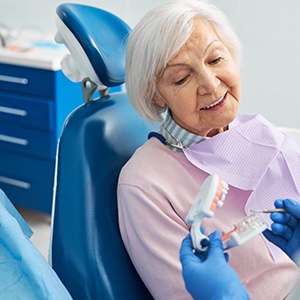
[158, 100]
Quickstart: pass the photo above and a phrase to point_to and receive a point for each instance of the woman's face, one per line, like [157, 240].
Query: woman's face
[201, 84]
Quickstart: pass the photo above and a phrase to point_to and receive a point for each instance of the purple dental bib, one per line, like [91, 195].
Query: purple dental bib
[252, 155]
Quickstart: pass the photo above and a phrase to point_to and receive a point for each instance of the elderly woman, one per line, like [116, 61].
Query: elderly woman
[183, 69]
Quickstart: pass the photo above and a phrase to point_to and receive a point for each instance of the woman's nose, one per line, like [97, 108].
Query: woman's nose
[208, 83]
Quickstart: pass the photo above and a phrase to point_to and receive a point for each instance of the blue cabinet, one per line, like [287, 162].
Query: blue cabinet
[34, 103]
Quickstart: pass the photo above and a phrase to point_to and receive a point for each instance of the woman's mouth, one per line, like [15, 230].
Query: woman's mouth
[214, 103]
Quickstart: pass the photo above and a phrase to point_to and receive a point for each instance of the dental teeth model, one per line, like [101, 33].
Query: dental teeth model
[210, 196]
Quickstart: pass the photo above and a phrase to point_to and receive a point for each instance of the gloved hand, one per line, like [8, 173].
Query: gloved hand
[285, 229]
[212, 278]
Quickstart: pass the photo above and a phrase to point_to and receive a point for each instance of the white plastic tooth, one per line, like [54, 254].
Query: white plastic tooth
[220, 203]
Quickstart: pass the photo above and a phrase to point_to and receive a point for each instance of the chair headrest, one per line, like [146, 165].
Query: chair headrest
[96, 40]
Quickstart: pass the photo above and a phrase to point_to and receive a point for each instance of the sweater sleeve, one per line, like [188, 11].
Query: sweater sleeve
[152, 233]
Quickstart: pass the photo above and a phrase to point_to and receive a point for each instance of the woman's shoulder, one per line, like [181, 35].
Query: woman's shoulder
[157, 174]
[152, 161]
[152, 153]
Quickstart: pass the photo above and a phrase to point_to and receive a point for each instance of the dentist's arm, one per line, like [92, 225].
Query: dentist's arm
[212, 278]
[285, 229]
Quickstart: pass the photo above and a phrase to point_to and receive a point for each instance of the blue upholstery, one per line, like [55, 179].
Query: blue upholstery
[103, 38]
[97, 139]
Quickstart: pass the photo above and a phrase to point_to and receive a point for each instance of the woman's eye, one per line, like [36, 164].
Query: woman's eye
[181, 81]
[215, 61]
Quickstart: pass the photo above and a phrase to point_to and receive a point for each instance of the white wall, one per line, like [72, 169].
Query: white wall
[269, 30]
[270, 33]
[41, 14]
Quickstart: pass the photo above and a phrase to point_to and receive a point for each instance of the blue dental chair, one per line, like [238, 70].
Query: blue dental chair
[97, 139]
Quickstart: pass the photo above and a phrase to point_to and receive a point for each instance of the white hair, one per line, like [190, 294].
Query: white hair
[158, 37]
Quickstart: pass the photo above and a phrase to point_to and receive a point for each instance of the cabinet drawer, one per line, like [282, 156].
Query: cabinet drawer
[25, 140]
[27, 111]
[26, 80]
[27, 182]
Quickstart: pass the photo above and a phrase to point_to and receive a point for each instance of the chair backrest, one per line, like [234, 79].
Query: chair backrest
[97, 139]
[87, 251]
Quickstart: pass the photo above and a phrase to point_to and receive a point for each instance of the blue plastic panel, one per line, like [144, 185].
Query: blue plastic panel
[27, 182]
[29, 111]
[26, 80]
[29, 141]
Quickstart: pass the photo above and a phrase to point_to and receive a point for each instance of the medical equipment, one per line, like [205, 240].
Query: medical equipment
[268, 211]
[87, 251]
[242, 232]
[211, 195]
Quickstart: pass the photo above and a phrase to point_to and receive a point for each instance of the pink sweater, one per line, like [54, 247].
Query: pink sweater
[156, 189]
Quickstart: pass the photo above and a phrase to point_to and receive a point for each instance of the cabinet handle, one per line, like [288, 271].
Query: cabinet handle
[13, 111]
[15, 182]
[13, 79]
[14, 140]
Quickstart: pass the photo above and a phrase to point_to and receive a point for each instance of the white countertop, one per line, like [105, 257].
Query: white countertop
[38, 54]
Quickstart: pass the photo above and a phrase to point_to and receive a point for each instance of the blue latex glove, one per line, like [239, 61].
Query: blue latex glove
[212, 278]
[285, 229]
